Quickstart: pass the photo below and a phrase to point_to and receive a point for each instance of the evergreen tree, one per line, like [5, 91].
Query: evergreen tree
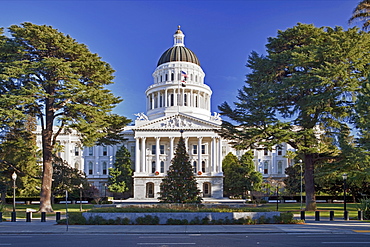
[120, 176]
[240, 175]
[302, 92]
[48, 75]
[180, 186]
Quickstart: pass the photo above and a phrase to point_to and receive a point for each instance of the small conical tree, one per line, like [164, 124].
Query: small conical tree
[180, 186]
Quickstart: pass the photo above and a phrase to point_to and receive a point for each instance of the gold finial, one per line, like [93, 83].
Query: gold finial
[178, 27]
[178, 30]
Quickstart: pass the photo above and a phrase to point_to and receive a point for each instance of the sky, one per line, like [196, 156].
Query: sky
[132, 35]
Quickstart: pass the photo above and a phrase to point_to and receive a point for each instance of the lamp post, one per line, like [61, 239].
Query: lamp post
[14, 177]
[81, 197]
[300, 164]
[277, 196]
[345, 213]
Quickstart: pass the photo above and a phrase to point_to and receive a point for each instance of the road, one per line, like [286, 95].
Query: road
[179, 240]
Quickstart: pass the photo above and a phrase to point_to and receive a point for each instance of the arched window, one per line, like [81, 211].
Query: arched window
[207, 190]
[172, 77]
[162, 166]
[90, 168]
[104, 168]
[203, 166]
[280, 167]
[149, 190]
[166, 77]
[77, 165]
[265, 167]
[153, 166]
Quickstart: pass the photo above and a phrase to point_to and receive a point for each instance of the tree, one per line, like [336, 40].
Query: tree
[240, 175]
[19, 154]
[67, 178]
[234, 179]
[48, 75]
[362, 13]
[180, 186]
[302, 92]
[120, 176]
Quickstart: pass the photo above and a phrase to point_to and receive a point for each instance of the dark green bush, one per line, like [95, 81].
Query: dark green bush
[74, 219]
[171, 221]
[147, 220]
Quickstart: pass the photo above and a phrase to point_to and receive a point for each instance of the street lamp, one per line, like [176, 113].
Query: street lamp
[81, 197]
[277, 196]
[300, 164]
[14, 177]
[345, 213]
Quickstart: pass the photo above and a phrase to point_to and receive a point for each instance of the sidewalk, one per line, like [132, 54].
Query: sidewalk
[323, 226]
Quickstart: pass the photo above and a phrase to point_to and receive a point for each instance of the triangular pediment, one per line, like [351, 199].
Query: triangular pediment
[177, 122]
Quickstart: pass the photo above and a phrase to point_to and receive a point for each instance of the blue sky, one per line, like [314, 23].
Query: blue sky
[132, 35]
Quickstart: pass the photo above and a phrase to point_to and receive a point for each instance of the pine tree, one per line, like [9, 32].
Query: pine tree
[180, 186]
[120, 176]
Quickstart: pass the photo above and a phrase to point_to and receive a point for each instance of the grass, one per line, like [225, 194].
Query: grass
[21, 210]
[324, 209]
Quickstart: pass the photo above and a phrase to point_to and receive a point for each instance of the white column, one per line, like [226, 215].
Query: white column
[137, 155]
[157, 166]
[213, 154]
[142, 163]
[219, 155]
[199, 154]
[171, 147]
[165, 98]
[152, 100]
[158, 99]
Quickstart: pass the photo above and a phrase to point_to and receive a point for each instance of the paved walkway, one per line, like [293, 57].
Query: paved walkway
[324, 226]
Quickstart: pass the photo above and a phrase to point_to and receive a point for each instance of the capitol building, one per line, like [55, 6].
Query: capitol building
[177, 100]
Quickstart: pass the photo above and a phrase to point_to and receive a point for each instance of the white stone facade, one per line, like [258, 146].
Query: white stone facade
[178, 100]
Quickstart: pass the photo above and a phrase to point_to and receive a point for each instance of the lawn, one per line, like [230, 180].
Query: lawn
[324, 209]
[21, 209]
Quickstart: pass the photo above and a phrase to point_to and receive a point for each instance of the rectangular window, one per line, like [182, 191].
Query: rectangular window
[153, 149]
[195, 149]
[203, 149]
[161, 148]
[91, 151]
[105, 151]
[77, 151]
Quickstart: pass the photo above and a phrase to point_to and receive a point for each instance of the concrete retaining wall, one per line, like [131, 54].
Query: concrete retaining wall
[163, 217]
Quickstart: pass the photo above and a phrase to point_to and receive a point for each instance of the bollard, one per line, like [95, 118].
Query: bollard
[317, 215]
[28, 216]
[1, 216]
[303, 216]
[43, 217]
[57, 216]
[346, 216]
[14, 217]
[331, 215]
[360, 215]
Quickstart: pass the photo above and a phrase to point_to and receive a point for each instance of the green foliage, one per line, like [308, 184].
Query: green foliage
[293, 180]
[147, 220]
[67, 178]
[180, 186]
[364, 206]
[48, 75]
[74, 219]
[302, 92]
[240, 175]
[120, 176]
[361, 14]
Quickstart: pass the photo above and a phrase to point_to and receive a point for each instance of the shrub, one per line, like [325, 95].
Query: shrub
[364, 206]
[171, 221]
[147, 220]
[74, 219]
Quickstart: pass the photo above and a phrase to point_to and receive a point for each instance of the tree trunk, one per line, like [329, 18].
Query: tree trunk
[309, 182]
[47, 173]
